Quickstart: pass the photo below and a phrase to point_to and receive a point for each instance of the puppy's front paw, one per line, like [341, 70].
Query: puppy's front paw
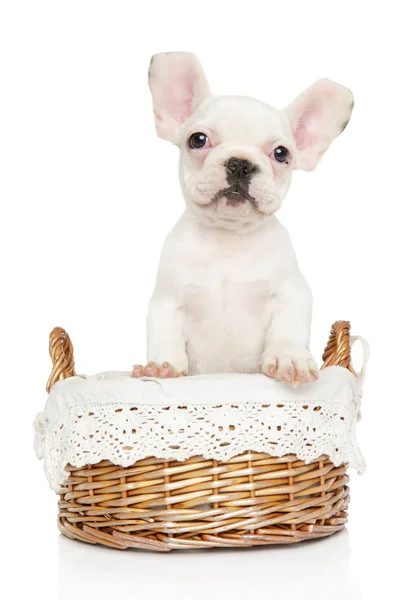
[160, 371]
[289, 363]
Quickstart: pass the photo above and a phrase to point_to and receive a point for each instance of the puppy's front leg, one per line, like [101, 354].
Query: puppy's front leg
[286, 356]
[165, 339]
[166, 351]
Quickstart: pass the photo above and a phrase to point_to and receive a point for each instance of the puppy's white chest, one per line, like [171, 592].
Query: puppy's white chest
[223, 299]
[225, 315]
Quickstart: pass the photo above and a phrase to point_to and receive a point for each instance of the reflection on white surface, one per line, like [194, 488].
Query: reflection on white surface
[315, 570]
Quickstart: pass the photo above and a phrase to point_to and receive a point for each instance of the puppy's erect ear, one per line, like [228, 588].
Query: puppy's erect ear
[178, 86]
[317, 116]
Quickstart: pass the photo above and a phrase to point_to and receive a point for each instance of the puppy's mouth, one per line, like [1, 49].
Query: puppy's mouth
[235, 196]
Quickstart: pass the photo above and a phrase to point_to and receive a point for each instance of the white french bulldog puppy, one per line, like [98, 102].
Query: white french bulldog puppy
[229, 296]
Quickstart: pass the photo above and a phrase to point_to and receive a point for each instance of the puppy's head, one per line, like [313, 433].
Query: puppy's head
[238, 154]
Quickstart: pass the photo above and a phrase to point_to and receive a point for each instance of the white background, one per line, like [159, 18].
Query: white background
[88, 194]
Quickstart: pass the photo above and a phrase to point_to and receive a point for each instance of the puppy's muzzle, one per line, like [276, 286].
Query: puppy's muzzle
[239, 172]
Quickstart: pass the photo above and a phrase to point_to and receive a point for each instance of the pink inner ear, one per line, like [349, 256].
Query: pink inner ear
[303, 135]
[305, 138]
[178, 85]
[300, 135]
[179, 100]
[317, 116]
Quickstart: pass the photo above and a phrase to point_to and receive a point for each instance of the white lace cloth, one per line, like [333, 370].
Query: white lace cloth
[115, 417]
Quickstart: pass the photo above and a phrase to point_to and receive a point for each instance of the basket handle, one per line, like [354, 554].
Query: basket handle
[61, 352]
[338, 349]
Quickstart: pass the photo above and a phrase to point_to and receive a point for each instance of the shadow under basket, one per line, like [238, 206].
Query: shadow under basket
[251, 499]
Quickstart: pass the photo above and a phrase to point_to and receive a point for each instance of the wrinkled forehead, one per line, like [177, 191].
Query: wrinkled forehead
[241, 119]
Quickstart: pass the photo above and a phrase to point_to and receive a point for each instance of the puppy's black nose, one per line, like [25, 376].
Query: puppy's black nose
[240, 168]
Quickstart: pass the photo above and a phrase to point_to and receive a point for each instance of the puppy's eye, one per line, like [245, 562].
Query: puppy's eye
[281, 154]
[198, 140]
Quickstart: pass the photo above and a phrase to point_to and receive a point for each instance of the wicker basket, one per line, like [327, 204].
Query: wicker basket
[251, 499]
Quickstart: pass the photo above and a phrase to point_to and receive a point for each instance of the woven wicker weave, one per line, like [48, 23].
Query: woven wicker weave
[248, 500]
